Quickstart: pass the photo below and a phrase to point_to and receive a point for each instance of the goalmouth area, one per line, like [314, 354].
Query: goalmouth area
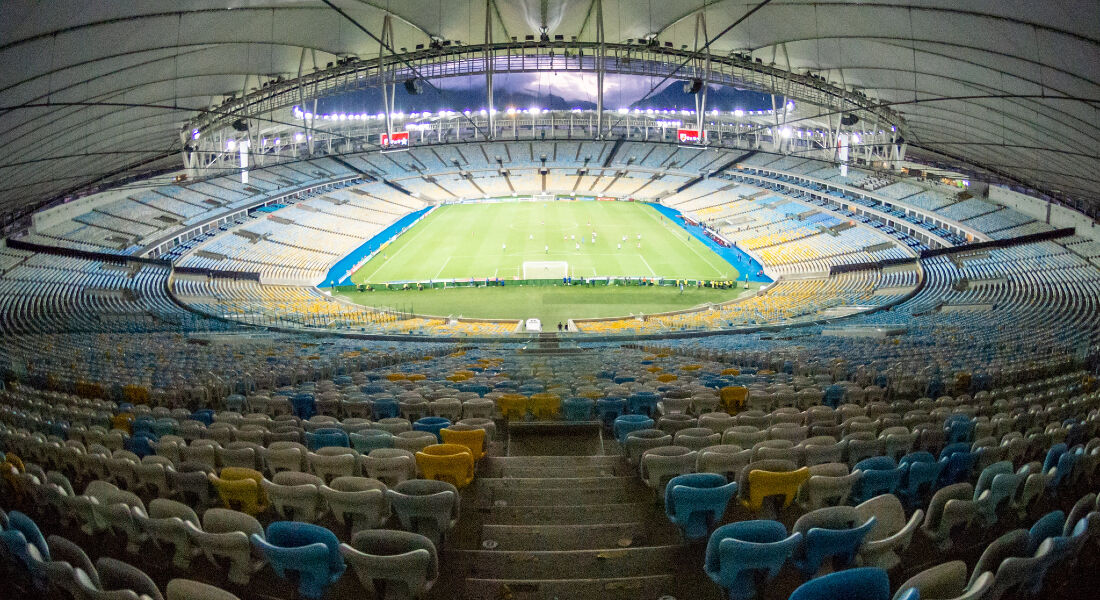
[538, 243]
[494, 240]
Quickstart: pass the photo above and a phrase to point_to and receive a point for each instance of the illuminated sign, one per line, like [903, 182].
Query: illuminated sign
[688, 136]
[397, 140]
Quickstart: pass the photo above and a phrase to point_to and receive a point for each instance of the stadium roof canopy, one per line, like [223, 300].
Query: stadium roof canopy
[95, 90]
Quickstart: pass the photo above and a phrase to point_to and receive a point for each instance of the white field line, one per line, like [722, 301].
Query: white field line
[686, 243]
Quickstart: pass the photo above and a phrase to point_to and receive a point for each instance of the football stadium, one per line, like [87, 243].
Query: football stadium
[549, 299]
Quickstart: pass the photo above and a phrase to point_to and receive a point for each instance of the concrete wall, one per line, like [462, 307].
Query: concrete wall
[1036, 208]
[49, 218]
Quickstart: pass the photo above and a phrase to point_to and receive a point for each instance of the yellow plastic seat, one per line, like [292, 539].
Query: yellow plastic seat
[654, 369]
[666, 377]
[241, 487]
[473, 439]
[512, 406]
[395, 376]
[123, 421]
[731, 371]
[691, 367]
[763, 484]
[452, 463]
[545, 406]
[417, 377]
[10, 470]
[733, 397]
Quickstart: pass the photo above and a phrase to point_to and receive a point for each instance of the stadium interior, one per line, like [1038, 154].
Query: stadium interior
[549, 299]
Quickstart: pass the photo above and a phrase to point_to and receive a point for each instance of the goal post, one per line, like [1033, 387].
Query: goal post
[545, 269]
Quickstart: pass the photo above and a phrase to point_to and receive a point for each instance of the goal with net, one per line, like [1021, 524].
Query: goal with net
[545, 269]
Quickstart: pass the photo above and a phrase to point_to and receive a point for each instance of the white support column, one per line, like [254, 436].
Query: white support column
[599, 69]
[489, 67]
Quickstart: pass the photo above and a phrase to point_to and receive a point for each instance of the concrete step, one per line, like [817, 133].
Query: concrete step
[560, 496]
[567, 537]
[559, 472]
[552, 461]
[570, 564]
[649, 587]
[576, 515]
[607, 483]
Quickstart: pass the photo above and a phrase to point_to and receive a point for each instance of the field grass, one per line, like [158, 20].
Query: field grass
[551, 304]
[464, 241]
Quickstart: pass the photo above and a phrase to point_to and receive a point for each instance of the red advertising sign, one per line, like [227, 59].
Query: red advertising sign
[688, 136]
[397, 140]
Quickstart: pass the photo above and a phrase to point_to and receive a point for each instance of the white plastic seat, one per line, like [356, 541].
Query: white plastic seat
[891, 534]
[360, 500]
[405, 564]
[295, 496]
[224, 535]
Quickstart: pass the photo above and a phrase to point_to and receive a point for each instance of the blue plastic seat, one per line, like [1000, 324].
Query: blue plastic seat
[953, 448]
[304, 404]
[834, 395]
[384, 408]
[1048, 526]
[642, 403]
[577, 409]
[922, 471]
[609, 409]
[864, 583]
[627, 423]
[326, 437]
[1066, 463]
[142, 424]
[309, 550]
[960, 428]
[742, 557]
[1051, 460]
[697, 501]
[204, 416]
[881, 475]
[831, 532]
[143, 444]
[23, 541]
[431, 425]
[957, 467]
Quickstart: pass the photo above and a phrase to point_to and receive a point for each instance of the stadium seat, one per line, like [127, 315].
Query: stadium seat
[310, 551]
[697, 501]
[891, 534]
[453, 463]
[397, 564]
[743, 557]
[357, 501]
[864, 583]
[425, 506]
[225, 534]
[241, 489]
[187, 589]
[473, 439]
[835, 532]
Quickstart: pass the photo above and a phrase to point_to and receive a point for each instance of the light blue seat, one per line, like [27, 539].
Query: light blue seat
[23, 541]
[327, 437]
[922, 471]
[384, 408]
[304, 405]
[1062, 474]
[957, 468]
[742, 556]
[309, 550]
[864, 583]
[577, 409]
[627, 423]
[643, 403]
[1048, 526]
[366, 440]
[953, 448]
[1001, 483]
[432, 425]
[881, 475]
[697, 501]
[831, 532]
[609, 409]
[960, 428]
[204, 416]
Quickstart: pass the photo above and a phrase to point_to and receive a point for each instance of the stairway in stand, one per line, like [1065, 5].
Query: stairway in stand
[563, 516]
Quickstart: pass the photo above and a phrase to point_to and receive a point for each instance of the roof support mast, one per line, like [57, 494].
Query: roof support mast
[701, 97]
[599, 69]
[491, 133]
[388, 74]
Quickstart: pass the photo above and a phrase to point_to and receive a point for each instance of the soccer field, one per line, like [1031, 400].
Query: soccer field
[463, 241]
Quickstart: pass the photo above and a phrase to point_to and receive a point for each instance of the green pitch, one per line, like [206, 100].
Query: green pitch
[463, 241]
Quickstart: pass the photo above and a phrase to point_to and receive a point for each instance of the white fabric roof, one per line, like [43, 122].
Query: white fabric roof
[1009, 85]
